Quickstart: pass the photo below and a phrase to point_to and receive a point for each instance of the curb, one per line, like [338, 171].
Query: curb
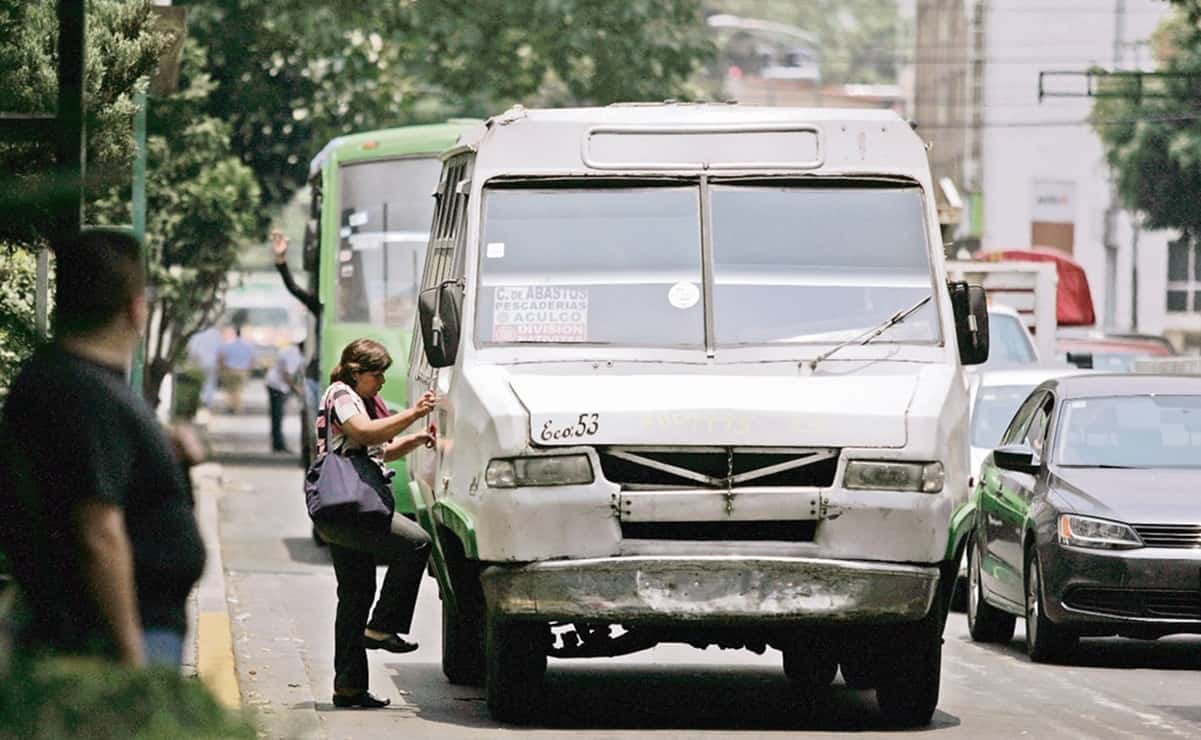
[214, 659]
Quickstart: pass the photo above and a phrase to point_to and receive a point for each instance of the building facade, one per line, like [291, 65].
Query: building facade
[1034, 169]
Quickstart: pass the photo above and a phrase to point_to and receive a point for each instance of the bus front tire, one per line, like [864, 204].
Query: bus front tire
[908, 696]
[462, 645]
[515, 666]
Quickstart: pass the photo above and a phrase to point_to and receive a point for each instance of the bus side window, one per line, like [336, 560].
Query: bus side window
[312, 230]
[443, 259]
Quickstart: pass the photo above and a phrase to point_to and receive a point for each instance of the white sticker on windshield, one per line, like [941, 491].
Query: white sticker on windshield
[539, 313]
[358, 218]
[496, 250]
[1079, 404]
[684, 295]
[345, 232]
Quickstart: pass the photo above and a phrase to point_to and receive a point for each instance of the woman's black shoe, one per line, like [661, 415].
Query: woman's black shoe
[391, 643]
[362, 699]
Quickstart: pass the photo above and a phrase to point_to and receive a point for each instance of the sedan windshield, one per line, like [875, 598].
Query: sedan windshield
[1131, 432]
[994, 409]
[623, 265]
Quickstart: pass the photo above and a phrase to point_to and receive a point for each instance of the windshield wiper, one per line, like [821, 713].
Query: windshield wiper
[871, 334]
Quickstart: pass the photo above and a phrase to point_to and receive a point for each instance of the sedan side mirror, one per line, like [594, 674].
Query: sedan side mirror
[1016, 457]
[971, 321]
[439, 309]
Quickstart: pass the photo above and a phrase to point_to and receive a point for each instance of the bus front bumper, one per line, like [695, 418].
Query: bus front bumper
[716, 589]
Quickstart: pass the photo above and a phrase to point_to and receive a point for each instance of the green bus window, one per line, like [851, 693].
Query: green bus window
[386, 211]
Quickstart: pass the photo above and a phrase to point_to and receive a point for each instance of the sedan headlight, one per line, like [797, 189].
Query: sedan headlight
[548, 470]
[1084, 531]
[865, 475]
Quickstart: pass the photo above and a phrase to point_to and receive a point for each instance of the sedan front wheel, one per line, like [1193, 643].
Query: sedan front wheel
[1045, 640]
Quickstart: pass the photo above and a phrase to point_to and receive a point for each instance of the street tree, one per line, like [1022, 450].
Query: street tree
[860, 40]
[202, 205]
[294, 74]
[1153, 140]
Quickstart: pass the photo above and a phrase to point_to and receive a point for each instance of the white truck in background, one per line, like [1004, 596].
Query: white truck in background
[1030, 288]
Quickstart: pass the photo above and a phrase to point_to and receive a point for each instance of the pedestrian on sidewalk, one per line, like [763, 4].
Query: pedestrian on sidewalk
[283, 379]
[95, 505]
[202, 350]
[235, 359]
[359, 420]
[312, 373]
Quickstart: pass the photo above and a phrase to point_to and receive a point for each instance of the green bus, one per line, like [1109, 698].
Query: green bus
[364, 249]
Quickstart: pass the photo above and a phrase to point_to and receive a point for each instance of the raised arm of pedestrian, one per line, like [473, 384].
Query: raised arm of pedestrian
[107, 561]
[364, 430]
[279, 246]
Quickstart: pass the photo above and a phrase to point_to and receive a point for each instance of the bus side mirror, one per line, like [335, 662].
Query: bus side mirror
[971, 321]
[312, 246]
[439, 309]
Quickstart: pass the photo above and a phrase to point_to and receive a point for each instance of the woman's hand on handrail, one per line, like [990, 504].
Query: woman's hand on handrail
[367, 431]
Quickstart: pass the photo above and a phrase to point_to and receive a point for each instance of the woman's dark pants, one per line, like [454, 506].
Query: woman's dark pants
[355, 548]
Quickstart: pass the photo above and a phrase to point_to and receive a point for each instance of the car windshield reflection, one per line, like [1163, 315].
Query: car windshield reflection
[1131, 432]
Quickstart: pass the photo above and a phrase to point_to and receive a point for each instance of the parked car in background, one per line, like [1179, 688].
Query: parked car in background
[1110, 352]
[1010, 343]
[1087, 520]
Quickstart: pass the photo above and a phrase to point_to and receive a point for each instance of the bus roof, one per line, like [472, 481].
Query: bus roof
[731, 139]
[391, 142]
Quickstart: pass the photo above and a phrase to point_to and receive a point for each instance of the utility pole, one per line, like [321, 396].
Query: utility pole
[1113, 211]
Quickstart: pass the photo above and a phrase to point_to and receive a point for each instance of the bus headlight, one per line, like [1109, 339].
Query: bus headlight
[544, 470]
[871, 475]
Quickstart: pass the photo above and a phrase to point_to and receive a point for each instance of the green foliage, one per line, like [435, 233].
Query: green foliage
[18, 338]
[293, 74]
[122, 49]
[60, 698]
[860, 40]
[1153, 141]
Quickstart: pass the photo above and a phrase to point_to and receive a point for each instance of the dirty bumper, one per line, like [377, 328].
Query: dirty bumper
[712, 589]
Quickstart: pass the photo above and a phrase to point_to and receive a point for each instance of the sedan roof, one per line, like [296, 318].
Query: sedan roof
[1131, 384]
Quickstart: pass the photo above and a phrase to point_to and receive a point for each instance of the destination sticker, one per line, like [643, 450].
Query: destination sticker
[358, 218]
[683, 295]
[539, 313]
[496, 250]
[347, 271]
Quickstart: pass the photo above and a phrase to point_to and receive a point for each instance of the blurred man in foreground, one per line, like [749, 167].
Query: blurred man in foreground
[96, 507]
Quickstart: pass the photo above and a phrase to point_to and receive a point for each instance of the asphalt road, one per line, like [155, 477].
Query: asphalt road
[281, 593]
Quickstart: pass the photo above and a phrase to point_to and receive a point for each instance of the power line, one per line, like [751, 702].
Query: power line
[1194, 116]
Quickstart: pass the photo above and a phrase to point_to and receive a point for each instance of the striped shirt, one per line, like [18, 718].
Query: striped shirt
[340, 403]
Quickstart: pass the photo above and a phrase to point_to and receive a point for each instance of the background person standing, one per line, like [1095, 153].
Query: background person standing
[96, 507]
[235, 359]
[283, 379]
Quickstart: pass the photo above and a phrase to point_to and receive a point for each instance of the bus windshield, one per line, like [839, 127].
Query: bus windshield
[623, 266]
[386, 209]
